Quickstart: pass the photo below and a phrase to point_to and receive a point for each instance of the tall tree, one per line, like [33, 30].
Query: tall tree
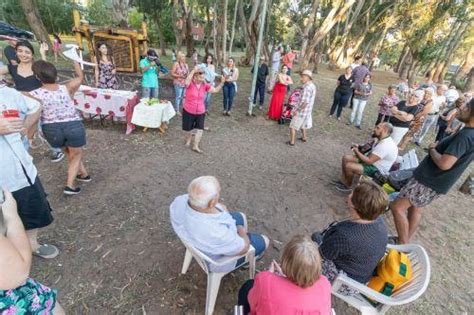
[224, 30]
[34, 20]
[120, 11]
[232, 34]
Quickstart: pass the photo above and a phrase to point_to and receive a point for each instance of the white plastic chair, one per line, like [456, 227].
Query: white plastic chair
[214, 278]
[408, 293]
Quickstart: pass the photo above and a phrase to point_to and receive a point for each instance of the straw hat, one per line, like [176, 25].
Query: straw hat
[308, 73]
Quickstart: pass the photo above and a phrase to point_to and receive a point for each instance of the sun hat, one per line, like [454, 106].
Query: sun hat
[308, 73]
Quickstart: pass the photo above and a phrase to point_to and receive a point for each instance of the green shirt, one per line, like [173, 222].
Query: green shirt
[150, 76]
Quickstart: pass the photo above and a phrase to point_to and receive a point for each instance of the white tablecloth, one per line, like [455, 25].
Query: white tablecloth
[152, 116]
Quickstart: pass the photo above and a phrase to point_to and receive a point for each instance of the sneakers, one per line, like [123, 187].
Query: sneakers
[359, 127]
[342, 188]
[71, 191]
[84, 179]
[46, 251]
[57, 157]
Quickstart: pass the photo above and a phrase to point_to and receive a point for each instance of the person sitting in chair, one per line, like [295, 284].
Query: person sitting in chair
[379, 159]
[199, 219]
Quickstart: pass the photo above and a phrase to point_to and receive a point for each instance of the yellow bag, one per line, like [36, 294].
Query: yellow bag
[393, 271]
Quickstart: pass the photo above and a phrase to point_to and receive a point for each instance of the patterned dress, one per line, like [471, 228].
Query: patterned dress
[29, 298]
[107, 79]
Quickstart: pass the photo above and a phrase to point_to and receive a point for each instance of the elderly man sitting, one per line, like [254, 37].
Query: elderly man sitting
[199, 219]
[380, 158]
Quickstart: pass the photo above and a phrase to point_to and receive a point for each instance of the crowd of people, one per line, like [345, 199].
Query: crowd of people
[301, 282]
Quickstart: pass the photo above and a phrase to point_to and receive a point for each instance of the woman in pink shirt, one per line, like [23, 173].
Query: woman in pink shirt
[194, 109]
[297, 287]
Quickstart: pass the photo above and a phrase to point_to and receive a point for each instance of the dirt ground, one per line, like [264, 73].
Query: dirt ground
[119, 254]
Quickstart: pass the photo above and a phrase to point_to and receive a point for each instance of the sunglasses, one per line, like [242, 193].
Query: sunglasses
[200, 73]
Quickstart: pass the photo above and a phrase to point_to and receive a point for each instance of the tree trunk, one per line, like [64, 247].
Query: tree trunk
[405, 66]
[34, 20]
[177, 26]
[413, 72]
[215, 36]
[402, 57]
[208, 29]
[243, 22]
[188, 27]
[161, 36]
[334, 16]
[467, 64]
[438, 66]
[120, 12]
[310, 24]
[450, 53]
[469, 86]
[252, 29]
[236, 8]
[224, 31]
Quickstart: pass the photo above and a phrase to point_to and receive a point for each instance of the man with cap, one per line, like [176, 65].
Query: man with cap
[302, 118]
[261, 81]
[150, 67]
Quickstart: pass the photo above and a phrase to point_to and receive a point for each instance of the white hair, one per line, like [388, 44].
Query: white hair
[202, 190]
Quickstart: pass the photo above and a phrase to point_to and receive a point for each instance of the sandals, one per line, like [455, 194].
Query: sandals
[303, 139]
[46, 251]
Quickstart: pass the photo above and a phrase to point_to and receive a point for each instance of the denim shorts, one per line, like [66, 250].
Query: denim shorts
[65, 134]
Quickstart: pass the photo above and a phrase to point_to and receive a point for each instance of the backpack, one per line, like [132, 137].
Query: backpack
[393, 271]
[295, 97]
[400, 178]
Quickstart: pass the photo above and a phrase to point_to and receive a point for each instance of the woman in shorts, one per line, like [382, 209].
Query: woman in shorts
[19, 294]
[194, 109]
[61, 123]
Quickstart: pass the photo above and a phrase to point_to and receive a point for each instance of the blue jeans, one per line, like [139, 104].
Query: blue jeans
[229, 93]
[149, 92]
[256, 240]
[207, 101]
[260, 89]
[340, 101]
[179, 92]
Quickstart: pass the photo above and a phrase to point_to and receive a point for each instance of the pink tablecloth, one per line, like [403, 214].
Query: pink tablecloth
[107, 103]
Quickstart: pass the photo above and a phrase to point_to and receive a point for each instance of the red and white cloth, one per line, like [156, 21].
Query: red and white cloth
[114, 104]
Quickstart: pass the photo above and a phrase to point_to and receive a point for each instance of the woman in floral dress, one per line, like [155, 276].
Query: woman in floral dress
[105, 72]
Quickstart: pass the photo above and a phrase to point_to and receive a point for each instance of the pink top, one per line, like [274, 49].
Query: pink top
[182, 70]
[194, 97]
[275, 295]
[57, 105]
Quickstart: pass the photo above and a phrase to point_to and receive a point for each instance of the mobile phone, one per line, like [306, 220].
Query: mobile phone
[11, 113]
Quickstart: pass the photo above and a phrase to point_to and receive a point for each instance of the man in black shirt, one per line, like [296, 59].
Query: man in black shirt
[435, 176]
[10, 52]
[261, 79]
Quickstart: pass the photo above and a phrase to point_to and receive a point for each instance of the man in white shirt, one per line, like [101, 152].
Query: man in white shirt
[379, 159]
[439, 102]
[199, 219]
[17, 171]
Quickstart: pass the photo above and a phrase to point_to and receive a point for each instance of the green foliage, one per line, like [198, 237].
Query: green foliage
[159, 15]
[98, 12]
[56, 14]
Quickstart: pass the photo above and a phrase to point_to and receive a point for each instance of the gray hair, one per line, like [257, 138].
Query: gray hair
[202, 190]
[389, 127]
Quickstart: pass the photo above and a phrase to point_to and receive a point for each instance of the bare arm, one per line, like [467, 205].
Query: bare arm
[73, 85]
[14, 246]
[96, 71]
[4, 70]
[403, 116]
[31, 119]
[369, 160]
[243, 234]
[190, 76]
[443, 161]
[217, 88]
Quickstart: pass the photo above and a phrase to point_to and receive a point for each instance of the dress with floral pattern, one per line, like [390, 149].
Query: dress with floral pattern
[30, 298]
[107, 80]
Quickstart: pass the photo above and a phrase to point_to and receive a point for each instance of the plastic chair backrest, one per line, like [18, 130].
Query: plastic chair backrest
[202, 259]
[421, 273]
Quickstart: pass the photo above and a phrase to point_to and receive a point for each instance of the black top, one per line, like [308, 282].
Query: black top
[460, 145]
[402, 106]
[345, 84]
[10, 54]
[355, 248]
[262, 73]
[24, 84]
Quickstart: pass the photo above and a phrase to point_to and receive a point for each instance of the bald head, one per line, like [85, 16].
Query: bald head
[204, 192]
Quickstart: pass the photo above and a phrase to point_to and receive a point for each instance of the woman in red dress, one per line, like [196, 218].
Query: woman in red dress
[278, 96]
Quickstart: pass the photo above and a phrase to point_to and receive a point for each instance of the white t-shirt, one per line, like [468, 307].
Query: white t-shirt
[438, 100]
[214, 234]
[354, 65]
[387, 150]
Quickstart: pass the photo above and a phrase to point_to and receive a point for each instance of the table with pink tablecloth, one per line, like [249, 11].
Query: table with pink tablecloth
[112, 104]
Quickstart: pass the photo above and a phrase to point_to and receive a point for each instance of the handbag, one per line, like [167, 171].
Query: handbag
[400, 178]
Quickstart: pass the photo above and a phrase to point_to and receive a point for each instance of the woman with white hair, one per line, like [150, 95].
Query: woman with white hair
[201, 220]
